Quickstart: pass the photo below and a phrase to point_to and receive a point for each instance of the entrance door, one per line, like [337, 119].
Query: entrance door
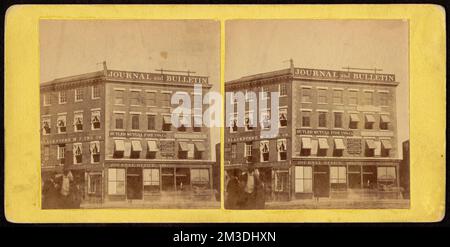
[321, 186]
[354, 177]
[167, 179]
[134, 183]
[369, 177]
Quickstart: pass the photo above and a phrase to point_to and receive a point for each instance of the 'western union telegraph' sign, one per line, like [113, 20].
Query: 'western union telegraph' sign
[141, 76]
[342, 75]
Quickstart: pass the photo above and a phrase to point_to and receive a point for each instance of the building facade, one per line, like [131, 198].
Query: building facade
[113, 129]
[337, 134]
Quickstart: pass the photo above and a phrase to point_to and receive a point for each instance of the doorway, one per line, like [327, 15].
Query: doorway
[354, 177]
[167, 179]
[134, 183]
[321, 183]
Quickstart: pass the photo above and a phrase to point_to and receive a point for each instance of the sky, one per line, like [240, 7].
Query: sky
[71, 47]
[257, 46]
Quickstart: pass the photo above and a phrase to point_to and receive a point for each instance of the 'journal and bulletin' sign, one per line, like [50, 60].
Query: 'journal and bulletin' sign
[342, 75]
[141, 76]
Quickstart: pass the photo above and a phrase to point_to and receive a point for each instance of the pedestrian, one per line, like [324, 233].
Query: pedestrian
[66, 180]
[50, 193]
[260, 192]
[249, 184]
[233, 191]
[75, 195]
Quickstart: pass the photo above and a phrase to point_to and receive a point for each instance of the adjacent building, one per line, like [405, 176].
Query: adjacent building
[113, 130]
[337, 134]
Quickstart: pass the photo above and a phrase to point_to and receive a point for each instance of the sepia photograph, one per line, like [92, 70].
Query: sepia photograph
[124, 113]
[317, 114]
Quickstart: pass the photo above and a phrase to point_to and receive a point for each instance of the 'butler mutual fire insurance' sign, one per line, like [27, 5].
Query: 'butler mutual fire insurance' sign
[342, 75]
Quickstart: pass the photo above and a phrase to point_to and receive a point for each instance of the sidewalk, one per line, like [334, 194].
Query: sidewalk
[326, 203]
[163, 204]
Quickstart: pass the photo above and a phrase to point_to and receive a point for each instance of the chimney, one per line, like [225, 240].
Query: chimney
[105, 69]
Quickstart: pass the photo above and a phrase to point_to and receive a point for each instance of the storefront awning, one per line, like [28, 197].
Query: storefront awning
[152, 147]
[323, 143]
[370, 144]
[200, 146]
[119, 146]
[183, 146]
[306, 143]
[385, 119]
[167, 120]
[370, 118]
[386, 144]
[136, 146]
[339, 144]
[354, 117]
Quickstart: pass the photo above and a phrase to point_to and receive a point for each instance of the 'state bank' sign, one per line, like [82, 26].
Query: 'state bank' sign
[342, 75]
[141, 76]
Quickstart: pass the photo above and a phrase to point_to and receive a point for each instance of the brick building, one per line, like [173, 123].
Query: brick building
[337, 134]
[113, 130]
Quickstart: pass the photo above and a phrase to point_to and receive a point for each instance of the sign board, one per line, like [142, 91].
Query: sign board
[354, 146]
[155, 77]
[324, 132]
[137, 134]
[341, 75]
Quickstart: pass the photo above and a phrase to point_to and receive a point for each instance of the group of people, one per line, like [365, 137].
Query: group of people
[245, 190]
[61, 191]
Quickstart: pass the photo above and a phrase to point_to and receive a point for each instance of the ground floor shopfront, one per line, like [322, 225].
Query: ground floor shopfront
[158, 181]
[319, 178]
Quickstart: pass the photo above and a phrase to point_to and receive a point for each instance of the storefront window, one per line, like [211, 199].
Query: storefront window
[386, 177]
[151, 180]
[200, 178]
[116, 181]
[94, 183]
[338, 177]
[281, 181]
[303, 179]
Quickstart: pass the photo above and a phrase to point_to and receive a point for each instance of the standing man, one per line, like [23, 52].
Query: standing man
[249, 182]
